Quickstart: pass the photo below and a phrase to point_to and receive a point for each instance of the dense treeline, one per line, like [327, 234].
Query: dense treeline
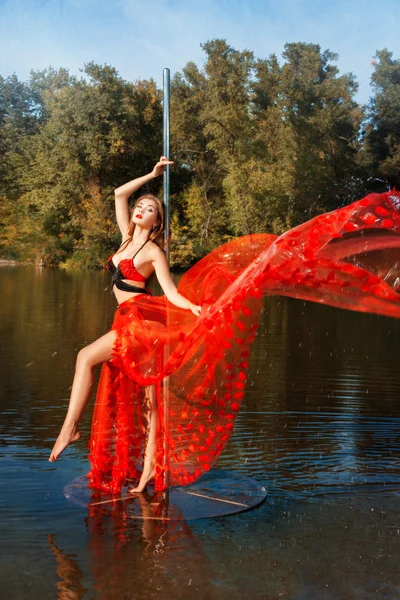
[258, 145]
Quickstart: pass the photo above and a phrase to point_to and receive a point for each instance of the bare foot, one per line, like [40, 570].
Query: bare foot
[68, 435]
[147, 476]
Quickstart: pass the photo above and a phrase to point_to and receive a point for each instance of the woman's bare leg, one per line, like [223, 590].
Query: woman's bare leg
[150, 450]
[90, 356]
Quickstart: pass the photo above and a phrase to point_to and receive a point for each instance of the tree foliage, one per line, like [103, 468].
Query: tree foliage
[382, 132]
[258, 145]
[91, 135]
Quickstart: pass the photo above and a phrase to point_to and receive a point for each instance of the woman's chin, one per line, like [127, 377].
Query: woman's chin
[139, 223]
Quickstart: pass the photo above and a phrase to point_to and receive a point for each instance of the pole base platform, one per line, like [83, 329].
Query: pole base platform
[216, 494]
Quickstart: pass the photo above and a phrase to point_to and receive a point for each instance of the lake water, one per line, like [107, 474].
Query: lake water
[320, 428]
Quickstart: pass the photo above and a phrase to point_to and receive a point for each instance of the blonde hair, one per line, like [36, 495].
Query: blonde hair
[156, 234]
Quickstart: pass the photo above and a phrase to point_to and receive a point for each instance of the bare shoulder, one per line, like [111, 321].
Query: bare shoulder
[155, 252]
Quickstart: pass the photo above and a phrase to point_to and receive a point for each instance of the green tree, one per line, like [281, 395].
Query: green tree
[200, 207]
[98, 132]
[260, 183]
[301, 143]
[381, 153]
[258, 146]
[325, 120]
[17, 120]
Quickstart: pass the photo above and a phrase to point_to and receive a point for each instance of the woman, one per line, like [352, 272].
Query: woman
[348, 258]
[139, 255]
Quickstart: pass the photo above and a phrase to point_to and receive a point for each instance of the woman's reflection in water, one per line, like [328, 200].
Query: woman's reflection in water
[133, 555]
[70, 576]
[134, 548]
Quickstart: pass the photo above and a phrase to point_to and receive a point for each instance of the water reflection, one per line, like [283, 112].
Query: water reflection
[132, 557]
[320, 427]
[69, 584]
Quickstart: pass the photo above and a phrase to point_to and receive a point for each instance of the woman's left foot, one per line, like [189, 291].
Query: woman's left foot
[147, 476]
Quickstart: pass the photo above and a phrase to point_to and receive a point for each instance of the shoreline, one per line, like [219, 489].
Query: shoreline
[4, 262]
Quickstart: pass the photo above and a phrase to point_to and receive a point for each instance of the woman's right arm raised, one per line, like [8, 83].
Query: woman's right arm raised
[123, 193]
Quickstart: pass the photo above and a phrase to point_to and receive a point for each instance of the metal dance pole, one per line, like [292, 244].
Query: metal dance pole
[166, 97]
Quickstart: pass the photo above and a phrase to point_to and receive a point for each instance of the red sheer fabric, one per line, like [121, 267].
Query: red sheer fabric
[349, 258]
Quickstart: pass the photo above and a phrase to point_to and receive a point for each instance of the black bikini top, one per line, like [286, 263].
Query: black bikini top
[126, 270]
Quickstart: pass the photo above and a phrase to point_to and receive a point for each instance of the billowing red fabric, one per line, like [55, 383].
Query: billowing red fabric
[349, 258]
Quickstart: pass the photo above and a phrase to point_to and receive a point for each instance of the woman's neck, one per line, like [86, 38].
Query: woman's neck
[140, 236]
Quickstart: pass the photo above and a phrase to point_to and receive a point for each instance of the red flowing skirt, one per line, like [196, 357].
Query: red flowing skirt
[349, 258]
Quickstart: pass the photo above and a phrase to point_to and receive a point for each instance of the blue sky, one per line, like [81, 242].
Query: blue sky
[141, 37]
